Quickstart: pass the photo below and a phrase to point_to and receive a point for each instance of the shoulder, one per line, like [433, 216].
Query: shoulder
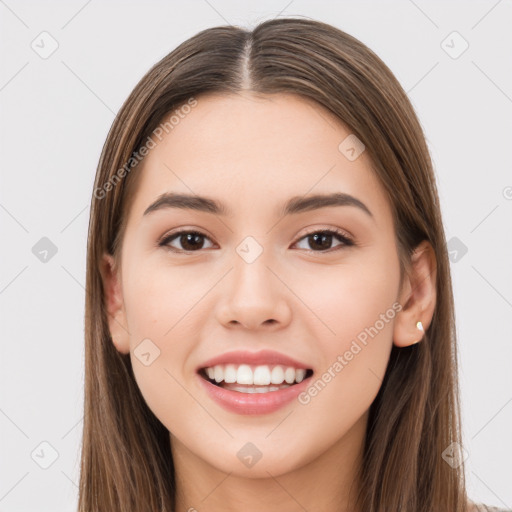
[480, 507]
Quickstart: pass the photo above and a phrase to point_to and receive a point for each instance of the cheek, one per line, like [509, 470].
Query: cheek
[350, 301]
[158, 297]
[160, 313]
[164, 391]
[356, 307]
[359, 311]
[159, 309]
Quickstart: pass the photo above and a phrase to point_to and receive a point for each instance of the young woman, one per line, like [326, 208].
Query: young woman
[269, 318]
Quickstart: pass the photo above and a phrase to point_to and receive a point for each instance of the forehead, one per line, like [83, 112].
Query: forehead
[256, 151]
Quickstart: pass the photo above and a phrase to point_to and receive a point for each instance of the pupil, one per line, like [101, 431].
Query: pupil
[190, 237]
[323, 237]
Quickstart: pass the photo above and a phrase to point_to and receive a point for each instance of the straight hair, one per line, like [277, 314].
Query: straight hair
[126, 460]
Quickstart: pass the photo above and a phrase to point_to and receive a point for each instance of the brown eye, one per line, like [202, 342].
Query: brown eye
[318, 241]
[321, 241]
[190, 241]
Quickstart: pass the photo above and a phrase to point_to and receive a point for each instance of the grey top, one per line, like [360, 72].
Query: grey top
[480, 507]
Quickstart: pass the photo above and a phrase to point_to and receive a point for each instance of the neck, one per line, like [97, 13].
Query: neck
[325, 483]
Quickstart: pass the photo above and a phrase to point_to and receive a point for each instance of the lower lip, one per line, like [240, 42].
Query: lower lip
[253, 403]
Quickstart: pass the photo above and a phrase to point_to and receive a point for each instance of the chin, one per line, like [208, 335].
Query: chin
[264, 463]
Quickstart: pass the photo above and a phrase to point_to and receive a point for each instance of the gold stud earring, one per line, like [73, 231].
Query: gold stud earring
[419, 325]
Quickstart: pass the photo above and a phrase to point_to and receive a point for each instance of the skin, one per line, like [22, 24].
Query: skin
[198, 305]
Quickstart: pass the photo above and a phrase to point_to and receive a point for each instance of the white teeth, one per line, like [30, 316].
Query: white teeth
[254, 389]
[243, 375]
[218, 374]
[277, 375]
[230, 373]
[289, 375]
[261, 375]
[300, 374]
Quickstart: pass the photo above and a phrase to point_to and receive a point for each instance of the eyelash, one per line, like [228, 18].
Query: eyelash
[340, 235]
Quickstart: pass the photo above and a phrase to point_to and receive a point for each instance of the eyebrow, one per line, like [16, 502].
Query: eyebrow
[295, 205]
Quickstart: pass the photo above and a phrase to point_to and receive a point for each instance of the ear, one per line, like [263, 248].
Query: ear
[417, 297]
[114, 303]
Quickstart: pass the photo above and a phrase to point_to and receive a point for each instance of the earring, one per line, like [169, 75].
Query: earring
[419, 325]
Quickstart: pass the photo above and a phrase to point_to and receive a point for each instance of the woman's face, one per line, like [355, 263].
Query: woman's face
[257, 278]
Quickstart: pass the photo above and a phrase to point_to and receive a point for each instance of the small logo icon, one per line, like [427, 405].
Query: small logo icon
[44, 250]
[456, 249]
[146, 352]
[454, 45]
[249, 455]
[454, 455]
[44, 45]
[507, 193]
[351, 147]
[249, 249]
[44, 455]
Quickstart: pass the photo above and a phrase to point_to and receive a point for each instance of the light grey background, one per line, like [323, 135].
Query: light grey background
[55, 115]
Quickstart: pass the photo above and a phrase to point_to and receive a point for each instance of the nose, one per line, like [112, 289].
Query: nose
[254, 296]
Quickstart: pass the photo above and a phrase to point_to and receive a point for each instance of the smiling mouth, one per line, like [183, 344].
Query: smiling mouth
[255, 388]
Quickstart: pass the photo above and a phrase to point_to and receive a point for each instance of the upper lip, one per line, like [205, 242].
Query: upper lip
[254, 358]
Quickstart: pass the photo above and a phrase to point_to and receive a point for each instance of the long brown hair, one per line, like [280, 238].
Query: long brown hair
[126, 462]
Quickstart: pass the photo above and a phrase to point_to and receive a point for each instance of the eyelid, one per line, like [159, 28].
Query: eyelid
[178, 231]
[339, 231]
